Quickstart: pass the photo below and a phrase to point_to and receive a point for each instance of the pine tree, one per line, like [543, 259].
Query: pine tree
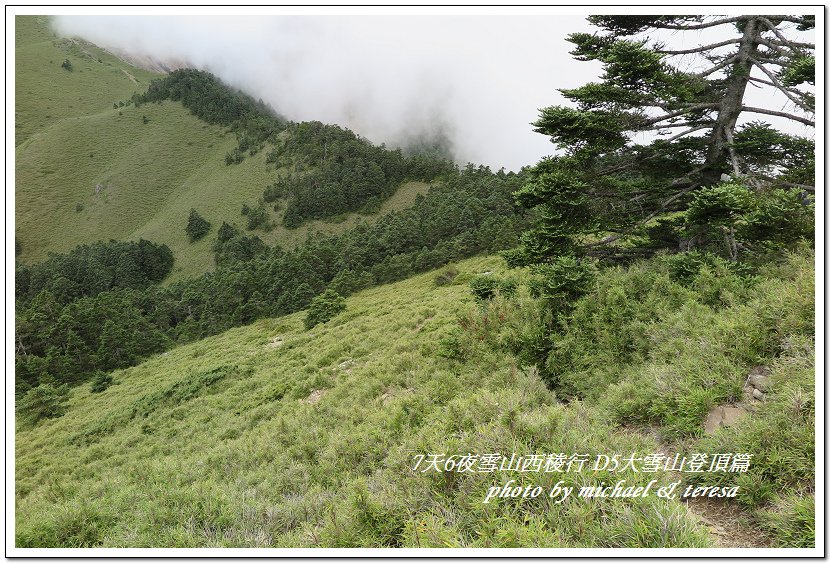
[605, 187]
[197, 226]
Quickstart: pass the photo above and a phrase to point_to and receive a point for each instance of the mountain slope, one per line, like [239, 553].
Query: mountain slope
[88, 171]
[269, 435]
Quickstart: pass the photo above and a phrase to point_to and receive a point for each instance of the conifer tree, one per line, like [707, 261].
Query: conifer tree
[692, 102]
[197, 226]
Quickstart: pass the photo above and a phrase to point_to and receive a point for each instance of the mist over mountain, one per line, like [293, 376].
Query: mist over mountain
[475, 82]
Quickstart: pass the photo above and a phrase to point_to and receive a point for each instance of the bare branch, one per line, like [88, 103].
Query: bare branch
[803, 120]
[700, 25]
[691, 108]
[770, 45]
[805, 187]
[688, 131]
[733, 156]
[786, 42]
[675, 125]
[717, 67]
[702, 48]
[784, 90]
[793, 19]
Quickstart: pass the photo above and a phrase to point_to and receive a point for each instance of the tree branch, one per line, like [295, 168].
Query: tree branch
[803, 120]
[700, 25]
[717, 67]
[783, 41]
[786, 42]
[675, 125]
[660, 209]
[687, 131]
[733, 156]
[805, 187]
[780, 86]
[701, 49]
[653, 120]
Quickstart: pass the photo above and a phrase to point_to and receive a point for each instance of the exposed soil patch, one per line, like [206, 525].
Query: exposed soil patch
[130, 76]
[729, 525]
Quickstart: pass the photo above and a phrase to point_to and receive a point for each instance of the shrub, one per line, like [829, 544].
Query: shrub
[323, 308]
[446, 276]
[66, 65]
[792, 520]
[197, 226]
[486, 286]
[781, 218]
[564, 280]
[100, 382]
[43, 401]
[257, 216]
[234, 157]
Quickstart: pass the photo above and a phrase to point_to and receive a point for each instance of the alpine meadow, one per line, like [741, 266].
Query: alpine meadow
[239, 329]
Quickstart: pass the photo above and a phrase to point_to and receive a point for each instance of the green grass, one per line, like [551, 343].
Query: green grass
[271, 435]
[70, 140]
[46, 94]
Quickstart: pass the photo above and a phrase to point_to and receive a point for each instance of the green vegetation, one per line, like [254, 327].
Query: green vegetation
[324, 308]
[319, 430]
[89, 168]
[42, 402]
[705, 186]
[332, 170]
[110, 318]
[319, 427]
[197, 226]
[652, 290]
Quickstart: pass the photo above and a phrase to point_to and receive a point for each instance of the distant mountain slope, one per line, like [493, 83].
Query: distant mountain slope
[87, 171]
[46, 93]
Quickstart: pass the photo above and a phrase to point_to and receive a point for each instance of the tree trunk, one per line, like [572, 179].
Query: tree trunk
[730, 107]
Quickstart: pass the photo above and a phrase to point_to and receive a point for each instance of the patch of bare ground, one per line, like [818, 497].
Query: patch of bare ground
[730, 526]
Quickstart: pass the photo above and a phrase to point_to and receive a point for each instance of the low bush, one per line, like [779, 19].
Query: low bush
[323, 308]
[42, 402]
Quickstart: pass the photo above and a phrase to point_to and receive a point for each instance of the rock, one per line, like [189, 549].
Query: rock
[276, 342]
[345, 365]
[757, 394]
[315, 396]
[759, 378]
[725, 415]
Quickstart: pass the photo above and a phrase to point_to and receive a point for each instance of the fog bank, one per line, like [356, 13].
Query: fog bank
[478, 80]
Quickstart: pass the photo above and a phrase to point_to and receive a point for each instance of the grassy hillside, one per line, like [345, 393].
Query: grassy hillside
[272, 436]
[46, 93]
[86, 171]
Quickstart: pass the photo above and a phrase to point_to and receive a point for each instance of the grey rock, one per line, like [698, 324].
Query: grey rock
[757, 394]
[759, 377]
[725, 415]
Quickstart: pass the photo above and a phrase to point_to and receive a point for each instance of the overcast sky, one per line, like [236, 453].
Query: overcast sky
[479, 79]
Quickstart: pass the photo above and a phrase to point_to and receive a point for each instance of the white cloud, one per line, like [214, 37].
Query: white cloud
[389, 78]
